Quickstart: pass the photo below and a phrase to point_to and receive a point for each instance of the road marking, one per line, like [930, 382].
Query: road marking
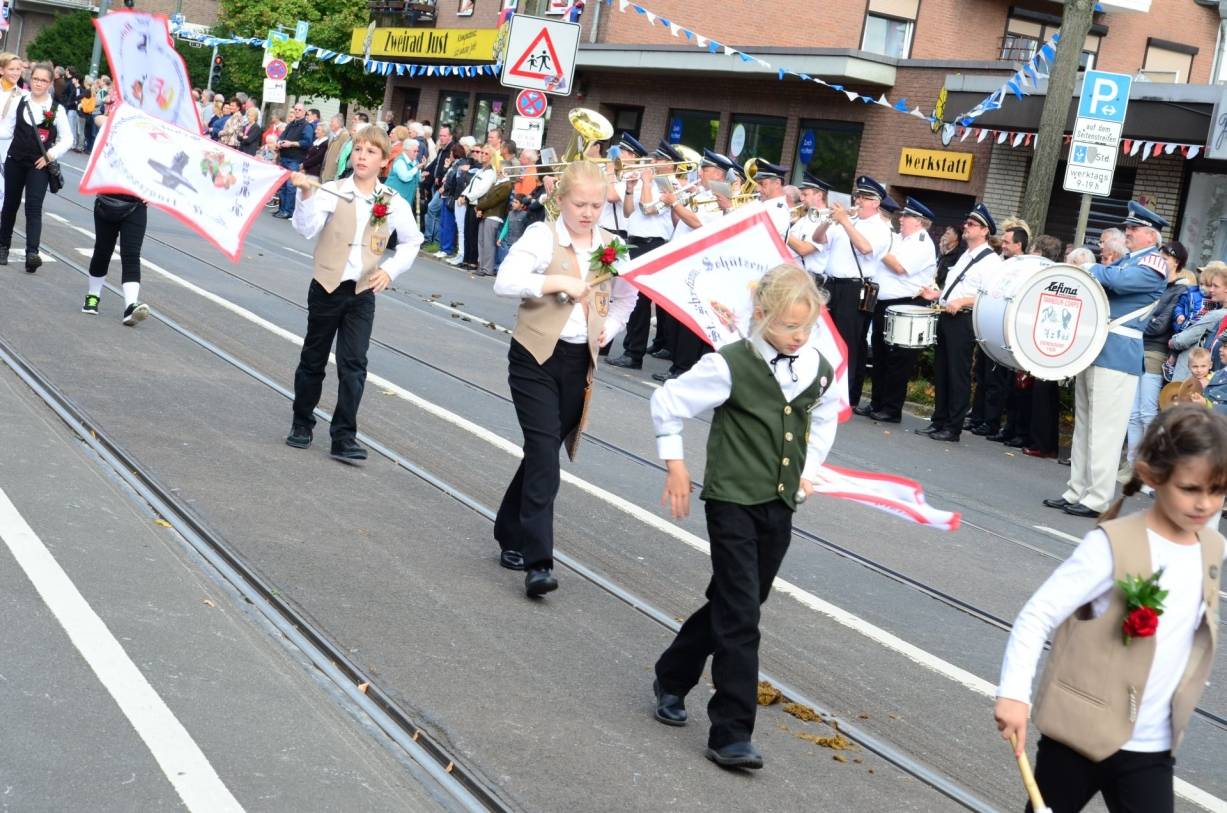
[57, 218]
[299, 253]
[184, 764]
[1058, 534]
[837, 614]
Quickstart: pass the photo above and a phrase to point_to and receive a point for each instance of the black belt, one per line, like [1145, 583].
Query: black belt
[842, 281]
[648, 241]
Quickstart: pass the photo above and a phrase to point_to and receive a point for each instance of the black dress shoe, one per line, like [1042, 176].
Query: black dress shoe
[1058, 503]
[928, 430]
[625, 361]
[736, 755]
[348, 451]
[863, 411]
[670, 708]
[984, 430]
[299, 437]
[1016, 442]
[969, 424]
[661, 353]
[948, 435]
[663, 377]
[1079, 510]
[539, 581]
[997, 437]
[511, 559]
[885, 417]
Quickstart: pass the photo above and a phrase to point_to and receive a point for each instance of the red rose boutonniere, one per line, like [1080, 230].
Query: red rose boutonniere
[380, 209]
[601, 261]
[1143, 606]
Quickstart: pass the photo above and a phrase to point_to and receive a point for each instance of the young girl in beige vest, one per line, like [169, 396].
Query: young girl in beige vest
[773, 425]
[551, 360]
[1121, 682]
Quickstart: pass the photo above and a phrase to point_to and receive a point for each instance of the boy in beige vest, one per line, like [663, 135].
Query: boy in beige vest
[354, 223]
[1135, 609]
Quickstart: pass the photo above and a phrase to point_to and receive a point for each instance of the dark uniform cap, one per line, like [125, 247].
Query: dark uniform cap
[631, 144]
[1139, 215]
[981, 215]
[868, 186]
[768, 171]
[665, 150]
[809, 181]
[890, 205]
[914, 207]
[714, 159]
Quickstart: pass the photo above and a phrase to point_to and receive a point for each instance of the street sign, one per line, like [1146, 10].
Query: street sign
[276, 69]
[675, 130]
[1095, 143]
[531, 104]
[540, 54]
[808, 144]
[527, 133]
[300, 30]
[274, 91]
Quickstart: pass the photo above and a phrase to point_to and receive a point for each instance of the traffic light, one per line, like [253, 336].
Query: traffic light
[218, 62]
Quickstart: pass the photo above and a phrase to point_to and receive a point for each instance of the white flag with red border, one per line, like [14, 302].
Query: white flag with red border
[217, 191]
[148, 72]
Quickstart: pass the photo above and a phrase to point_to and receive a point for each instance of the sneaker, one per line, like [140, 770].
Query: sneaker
[442, 255]
[91, 305]
[456, 261]
[135, 313]
[33, 261]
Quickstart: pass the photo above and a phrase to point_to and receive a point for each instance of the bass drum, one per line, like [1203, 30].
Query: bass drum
[1046, 319]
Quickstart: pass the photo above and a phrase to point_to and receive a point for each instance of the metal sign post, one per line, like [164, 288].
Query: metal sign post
[1096, 139]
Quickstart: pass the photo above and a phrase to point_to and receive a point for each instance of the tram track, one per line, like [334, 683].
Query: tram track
[401, 727]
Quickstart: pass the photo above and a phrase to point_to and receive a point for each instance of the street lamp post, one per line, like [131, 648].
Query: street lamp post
[96, 57]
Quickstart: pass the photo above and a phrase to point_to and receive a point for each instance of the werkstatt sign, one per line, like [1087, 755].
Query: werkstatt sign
[954, 166]
[468, 44]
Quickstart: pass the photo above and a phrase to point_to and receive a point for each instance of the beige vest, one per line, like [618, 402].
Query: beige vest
[332, 250]
[540, 321]
[1093, 684]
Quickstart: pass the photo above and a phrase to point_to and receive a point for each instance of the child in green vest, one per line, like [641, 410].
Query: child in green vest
[773, 425]
[1135, 609]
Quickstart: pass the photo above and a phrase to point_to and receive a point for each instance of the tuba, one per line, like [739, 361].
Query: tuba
[590, 127]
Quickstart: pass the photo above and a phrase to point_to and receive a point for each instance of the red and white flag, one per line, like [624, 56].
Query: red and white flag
[706, 280]
[215, 190]
[148, 72]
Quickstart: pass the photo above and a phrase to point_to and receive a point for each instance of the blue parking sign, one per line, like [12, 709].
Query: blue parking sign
[1105, 96]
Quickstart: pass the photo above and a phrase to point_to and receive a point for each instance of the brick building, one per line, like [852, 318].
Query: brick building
[655, 85]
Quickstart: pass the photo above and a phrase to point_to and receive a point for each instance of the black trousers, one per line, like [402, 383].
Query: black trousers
[549, 399]
[956, 339]
[1018, 408]
[639, 324]
[471, 226]
[993, 384]
[21, 178]
[348, 317]
[748, 543]
[1130, 781]
[892, 365]
[1045, 428]
[688, 348]
[129, 230]
[844, 306]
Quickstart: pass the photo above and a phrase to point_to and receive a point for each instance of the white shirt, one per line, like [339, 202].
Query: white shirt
[8, 112]
[642, 224]
[919, 259]
[803, 231]
[709, 383]
[312, 213]
[34, 114]
[612, 218]
[479, 184]
[522, 276]
[1086, 577]
[977, 278]
[780, 214]
[841, 262]
[706, 213]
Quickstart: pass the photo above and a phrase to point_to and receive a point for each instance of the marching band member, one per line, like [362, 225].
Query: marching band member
[995, 382]
[551, 360]
[770, 179]
[800, 234]
[955, 335]
[1104, 392]
[349, 271]
[612, 219]
[854, 248]
[911, 263]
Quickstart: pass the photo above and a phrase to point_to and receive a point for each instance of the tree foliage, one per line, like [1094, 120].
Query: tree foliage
[332, 25]
[68, 41]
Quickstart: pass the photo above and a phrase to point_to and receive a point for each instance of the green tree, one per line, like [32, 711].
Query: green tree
[68, 41]
[198, 61]
[332, 25]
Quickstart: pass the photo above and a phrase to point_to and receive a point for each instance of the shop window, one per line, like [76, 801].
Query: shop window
[696, 129]
[453, 110]
[756, 137]
[828, 150]
[625, 121]
[1168, 61]
[888, 27]
[491, 112]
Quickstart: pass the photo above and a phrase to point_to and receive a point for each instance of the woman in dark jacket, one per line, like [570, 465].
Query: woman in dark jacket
[249, 137]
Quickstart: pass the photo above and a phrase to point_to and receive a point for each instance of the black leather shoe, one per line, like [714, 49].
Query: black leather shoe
[969, 424]
[1058, 503]
[886, 417]
[863, 411]
[33, 261]
[348, 451]
[1080, 510]
[539, 581]
[928, 430]
[299, 437]
[997, 437]
[663, 377]
[511, 559]
[948, 435]
[736, 755]
[670, 708]
[984, 430]
[1016, 442]
[661, 353]
[625, 361]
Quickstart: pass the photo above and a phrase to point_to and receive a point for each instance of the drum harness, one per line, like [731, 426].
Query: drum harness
[987, 251]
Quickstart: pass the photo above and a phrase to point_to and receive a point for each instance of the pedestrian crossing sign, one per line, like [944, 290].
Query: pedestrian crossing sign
[540, 55]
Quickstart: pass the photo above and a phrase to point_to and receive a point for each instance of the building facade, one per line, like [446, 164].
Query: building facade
[648, 80]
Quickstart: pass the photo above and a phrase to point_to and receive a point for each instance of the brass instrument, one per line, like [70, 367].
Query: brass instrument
[749, 188]
[590, 127]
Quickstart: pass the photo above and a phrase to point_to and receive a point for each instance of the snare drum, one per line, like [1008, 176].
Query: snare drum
[1043, 318]
[910, 326]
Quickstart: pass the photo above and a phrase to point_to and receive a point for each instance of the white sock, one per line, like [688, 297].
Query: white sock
[132, 292]
[95, 286]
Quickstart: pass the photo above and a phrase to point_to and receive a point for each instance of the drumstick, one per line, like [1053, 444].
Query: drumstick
[563, 297]
[314, 184]
[1033, 790]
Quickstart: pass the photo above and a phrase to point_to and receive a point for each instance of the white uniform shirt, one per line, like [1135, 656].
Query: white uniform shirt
[522, 276]
[1086, 577]
[642, 224]
[841, 262]
[709, 384]
[978, 277]
[612, 218]
[917, 255]
[311, 214]
[706, 213]
[777, 209]
[803, 230]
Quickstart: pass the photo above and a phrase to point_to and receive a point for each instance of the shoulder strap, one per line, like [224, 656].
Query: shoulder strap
[987, 250]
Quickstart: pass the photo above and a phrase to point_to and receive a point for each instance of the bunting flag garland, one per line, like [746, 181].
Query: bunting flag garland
[1128, 146]
[1029, 75]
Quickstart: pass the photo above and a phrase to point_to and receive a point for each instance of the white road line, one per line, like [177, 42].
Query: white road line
[837, 614]
[57, 218]
[299, 253]
[1058, 534]
[187, 768]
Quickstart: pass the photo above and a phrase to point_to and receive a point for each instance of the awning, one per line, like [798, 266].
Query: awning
[839, 65]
